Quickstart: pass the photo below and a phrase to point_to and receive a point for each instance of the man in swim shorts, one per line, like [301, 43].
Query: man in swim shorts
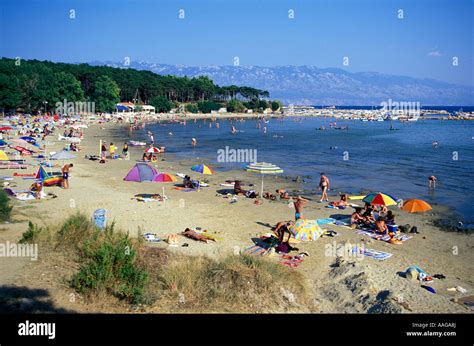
[324, 186]
[299, 204]
[65, 171]
[432, 181]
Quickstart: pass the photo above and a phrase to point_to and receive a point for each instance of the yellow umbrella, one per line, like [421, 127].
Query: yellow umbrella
[3, 156]
[306, 230]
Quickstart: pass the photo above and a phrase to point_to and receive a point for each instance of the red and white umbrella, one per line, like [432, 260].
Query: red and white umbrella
[152, 150]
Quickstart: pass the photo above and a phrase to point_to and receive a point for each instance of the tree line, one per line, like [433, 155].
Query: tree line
[32, 85]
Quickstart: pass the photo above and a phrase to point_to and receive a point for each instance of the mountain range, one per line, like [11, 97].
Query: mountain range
[310, 85]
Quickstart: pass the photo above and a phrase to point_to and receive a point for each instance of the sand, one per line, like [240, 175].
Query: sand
[339, 283]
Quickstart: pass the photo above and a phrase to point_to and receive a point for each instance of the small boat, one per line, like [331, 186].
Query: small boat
[137, 144]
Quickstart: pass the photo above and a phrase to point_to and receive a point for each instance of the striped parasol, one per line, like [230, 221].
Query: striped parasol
[380, 199]
[203, 169]
[263, 168]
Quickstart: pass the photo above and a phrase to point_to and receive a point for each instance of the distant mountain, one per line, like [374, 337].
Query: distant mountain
[309, 85]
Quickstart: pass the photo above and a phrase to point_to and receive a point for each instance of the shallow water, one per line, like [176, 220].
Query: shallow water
[367, 156]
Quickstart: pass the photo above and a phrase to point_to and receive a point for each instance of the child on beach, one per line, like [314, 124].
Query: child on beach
[125, 151]
[103, 151]
[112, 149]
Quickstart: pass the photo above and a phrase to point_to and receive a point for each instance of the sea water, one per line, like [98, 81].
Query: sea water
[368, 156]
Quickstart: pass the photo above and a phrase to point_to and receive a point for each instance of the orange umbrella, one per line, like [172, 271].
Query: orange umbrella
[416, 206]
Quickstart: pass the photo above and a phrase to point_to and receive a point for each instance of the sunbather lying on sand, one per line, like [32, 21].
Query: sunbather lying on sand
[341, 203]
[189, 233]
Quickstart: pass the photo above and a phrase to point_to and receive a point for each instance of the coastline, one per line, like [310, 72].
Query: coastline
[96, 186]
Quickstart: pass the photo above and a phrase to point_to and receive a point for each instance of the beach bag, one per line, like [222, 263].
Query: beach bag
[404, 228]
[99, 218]
[282, 247]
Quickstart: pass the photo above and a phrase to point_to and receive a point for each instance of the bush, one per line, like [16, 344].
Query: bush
[191, 108]
[32, 233]
[5, 207]
[108, 263]
[75, 230]
[235, 106]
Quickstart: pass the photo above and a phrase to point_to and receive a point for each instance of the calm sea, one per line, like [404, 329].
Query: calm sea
[367, 156]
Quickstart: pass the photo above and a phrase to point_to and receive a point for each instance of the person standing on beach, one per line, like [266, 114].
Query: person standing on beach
[324, 185]
[299, 204]
[112, 149]
[432, 181]
[125, 151]
[103, 151]
[65, 170]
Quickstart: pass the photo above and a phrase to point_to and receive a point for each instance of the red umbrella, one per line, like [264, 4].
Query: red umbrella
[22, 150]
[152, 150]
[6, 128]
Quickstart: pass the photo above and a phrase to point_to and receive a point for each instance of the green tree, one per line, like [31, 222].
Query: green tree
[235, 106]
[161, 104]
[66, 87]
[10, 92]
[106, 94]
[276, 105]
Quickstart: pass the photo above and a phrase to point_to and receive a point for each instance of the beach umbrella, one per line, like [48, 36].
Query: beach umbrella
[203, 169]
[379, 199]
[63, 155]
[306, 230]
[22, 150]
[164, 178]
[263, 168]
[19, 141]
[152, 150]
[3, 156]
[416, 206]
[28, 139]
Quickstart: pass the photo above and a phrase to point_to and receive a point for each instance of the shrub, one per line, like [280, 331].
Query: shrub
[31, 234]
[5, 207]
[108, 262]
[191, 108]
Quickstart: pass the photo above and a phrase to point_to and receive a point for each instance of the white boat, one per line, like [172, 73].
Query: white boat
[413, 118]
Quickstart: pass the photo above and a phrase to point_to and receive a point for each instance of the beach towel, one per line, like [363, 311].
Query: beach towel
[378, 255]
[151, 237]
[384, 237]
[325, 221]
[291, 261]
[255, 250]
[184, 189]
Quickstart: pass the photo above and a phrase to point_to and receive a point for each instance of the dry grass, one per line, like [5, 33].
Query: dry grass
[109, 263]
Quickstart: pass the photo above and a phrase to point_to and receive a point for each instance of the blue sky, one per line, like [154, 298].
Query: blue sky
[259, 32]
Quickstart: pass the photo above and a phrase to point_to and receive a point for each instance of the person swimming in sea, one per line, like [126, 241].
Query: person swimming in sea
[234, 130]
[432, 181]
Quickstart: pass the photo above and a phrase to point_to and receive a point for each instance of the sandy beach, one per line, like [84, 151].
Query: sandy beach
[338, 283]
